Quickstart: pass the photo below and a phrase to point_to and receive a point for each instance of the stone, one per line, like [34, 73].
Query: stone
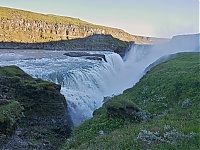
[101, 132]
[186, 103]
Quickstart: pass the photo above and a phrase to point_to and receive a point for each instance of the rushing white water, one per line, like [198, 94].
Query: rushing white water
[84, 82]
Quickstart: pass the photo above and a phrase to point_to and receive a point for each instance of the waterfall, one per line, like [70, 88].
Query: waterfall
[86, 87]
[85, 83]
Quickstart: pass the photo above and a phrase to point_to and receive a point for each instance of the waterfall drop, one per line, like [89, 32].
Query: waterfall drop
[85, 83]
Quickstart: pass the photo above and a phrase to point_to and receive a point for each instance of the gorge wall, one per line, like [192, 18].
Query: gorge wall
[28, 27]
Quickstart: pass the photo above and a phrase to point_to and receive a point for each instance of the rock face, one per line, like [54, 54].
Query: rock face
[42, 31]
[44, 108]
[28, 27]
[91, 43]
[87, 55]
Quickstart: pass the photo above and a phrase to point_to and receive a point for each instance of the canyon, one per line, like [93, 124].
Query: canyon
[18, 26]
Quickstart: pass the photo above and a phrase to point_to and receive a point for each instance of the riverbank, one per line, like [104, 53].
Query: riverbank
[33, 113]
[168, 101]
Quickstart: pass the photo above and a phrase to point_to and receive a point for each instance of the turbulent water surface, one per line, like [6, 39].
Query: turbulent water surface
[85, 82]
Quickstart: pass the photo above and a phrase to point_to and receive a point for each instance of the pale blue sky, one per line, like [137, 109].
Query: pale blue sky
[161, 18]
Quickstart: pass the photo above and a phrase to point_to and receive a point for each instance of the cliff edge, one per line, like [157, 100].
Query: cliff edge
[33, 113]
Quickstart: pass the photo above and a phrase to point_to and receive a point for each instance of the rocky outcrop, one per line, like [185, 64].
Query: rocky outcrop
[121, 109]
[87, 55]
[44, 109]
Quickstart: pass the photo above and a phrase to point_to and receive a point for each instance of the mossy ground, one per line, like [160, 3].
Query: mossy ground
[44, 119]
[170, 92]
[10, 112]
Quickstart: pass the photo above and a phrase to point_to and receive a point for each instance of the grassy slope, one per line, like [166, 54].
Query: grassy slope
[162, 92]
[10, 13]
[27, 15]
[10, 112]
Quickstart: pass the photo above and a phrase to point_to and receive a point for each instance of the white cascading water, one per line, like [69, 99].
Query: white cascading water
[85, 83]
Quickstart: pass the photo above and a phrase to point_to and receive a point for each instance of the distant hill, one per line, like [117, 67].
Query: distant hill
[29, 27]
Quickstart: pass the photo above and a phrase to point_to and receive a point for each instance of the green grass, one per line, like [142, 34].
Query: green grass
[27, 15]
[10, 113]
[11, 71]
[162, 92]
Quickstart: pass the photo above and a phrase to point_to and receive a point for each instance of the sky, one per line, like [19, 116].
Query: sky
[157, 18]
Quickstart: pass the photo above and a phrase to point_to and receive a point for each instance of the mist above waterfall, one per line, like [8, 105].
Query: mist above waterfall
[85, 83]
[141, 56]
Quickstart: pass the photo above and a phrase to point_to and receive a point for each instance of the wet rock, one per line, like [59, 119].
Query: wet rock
[94, 58]
[87, 55]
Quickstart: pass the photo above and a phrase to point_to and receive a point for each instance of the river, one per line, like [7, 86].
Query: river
[84, 82]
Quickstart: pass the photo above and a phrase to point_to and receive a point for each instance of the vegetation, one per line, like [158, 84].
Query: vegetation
[10, 112]
[169, 92]
[32, 108]
[27, 15]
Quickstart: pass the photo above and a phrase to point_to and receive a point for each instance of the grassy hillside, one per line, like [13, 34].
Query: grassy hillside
[165, 114]
[29, 27]
[11, 13]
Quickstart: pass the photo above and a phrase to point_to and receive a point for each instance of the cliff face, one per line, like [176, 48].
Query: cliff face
[29, 27]
[94, 42]
[33, 31]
